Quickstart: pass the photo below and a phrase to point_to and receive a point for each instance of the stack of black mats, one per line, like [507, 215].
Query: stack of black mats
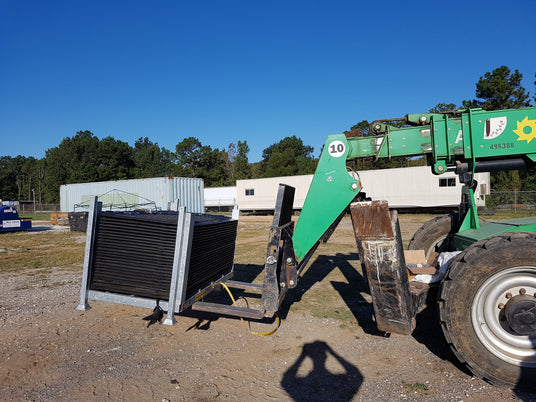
[133, 253]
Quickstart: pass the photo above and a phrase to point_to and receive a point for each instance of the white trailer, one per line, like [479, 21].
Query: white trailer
[260, 194]
[220, 197]
[412, 187]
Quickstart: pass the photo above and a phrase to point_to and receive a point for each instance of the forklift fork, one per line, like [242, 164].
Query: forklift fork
[281, 269]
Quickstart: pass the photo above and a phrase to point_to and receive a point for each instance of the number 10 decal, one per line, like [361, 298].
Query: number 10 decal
[337, 149]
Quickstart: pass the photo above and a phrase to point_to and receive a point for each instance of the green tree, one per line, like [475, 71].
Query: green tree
[236, 162]
[500, 89]
[443, 107]
[21, 178]
[192, 159]
[114, 159]
[188, 157]
[213, 172]
[288, 157]
[22, 175]
[242, 168]
[74, 160]
[27, 178]
[230, 162]
[8, 178]
[40, 175]
[256, 171]
[150, 160]
[84, 158]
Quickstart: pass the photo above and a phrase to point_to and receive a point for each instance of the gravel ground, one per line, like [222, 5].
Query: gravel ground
[53, 352]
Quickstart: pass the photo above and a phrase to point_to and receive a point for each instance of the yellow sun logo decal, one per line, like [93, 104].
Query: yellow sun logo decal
[526, 130]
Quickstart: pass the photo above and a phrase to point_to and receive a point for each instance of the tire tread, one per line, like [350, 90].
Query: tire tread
[466, 262]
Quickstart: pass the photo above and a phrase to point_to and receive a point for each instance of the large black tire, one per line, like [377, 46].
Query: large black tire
[487, 308]
[434, 235]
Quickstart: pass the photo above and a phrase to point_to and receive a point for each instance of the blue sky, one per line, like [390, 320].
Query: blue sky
[228, 71]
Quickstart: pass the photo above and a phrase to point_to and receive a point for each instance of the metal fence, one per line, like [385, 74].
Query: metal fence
[514, 200]
[496, 200]
[31, 208]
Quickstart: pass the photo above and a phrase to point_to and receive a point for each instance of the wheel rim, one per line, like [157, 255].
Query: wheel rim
[490, 323]
[437, 246]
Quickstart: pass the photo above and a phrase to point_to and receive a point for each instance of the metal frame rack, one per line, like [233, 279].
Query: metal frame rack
[145, 260]
[167, 260]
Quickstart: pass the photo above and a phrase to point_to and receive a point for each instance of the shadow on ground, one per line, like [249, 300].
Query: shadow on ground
[40, 228]
[427, 332]
[319, 383]
[350, 290]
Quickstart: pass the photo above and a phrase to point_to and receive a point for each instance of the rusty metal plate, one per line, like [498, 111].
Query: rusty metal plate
[371, 220]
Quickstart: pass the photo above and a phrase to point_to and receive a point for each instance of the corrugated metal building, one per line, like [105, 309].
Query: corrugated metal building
[412, 187]
[158, 193]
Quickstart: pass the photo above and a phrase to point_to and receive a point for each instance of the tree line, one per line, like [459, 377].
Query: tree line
[86, 158]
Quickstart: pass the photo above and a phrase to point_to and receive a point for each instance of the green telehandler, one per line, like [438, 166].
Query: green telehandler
[487, 300]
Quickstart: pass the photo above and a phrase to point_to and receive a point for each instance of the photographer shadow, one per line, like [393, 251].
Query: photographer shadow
[321, 384]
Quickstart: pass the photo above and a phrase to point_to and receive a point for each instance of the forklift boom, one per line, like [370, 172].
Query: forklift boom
[465, 142]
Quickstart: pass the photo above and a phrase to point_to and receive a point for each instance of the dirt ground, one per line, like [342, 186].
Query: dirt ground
[327, 347]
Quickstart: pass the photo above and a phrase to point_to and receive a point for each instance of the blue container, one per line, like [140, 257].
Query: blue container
[10, 221]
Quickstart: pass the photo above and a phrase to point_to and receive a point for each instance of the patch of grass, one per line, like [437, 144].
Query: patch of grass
[252, 241]
[509, 214]
[331, 285]
[342, 313]
[39, 272]
[25, 287]
[415, 387]
[36, 252]
[54, 285]
[39, 216]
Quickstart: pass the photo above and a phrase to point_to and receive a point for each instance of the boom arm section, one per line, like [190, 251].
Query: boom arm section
[471, 140]
[331, 191]
[467, 141]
